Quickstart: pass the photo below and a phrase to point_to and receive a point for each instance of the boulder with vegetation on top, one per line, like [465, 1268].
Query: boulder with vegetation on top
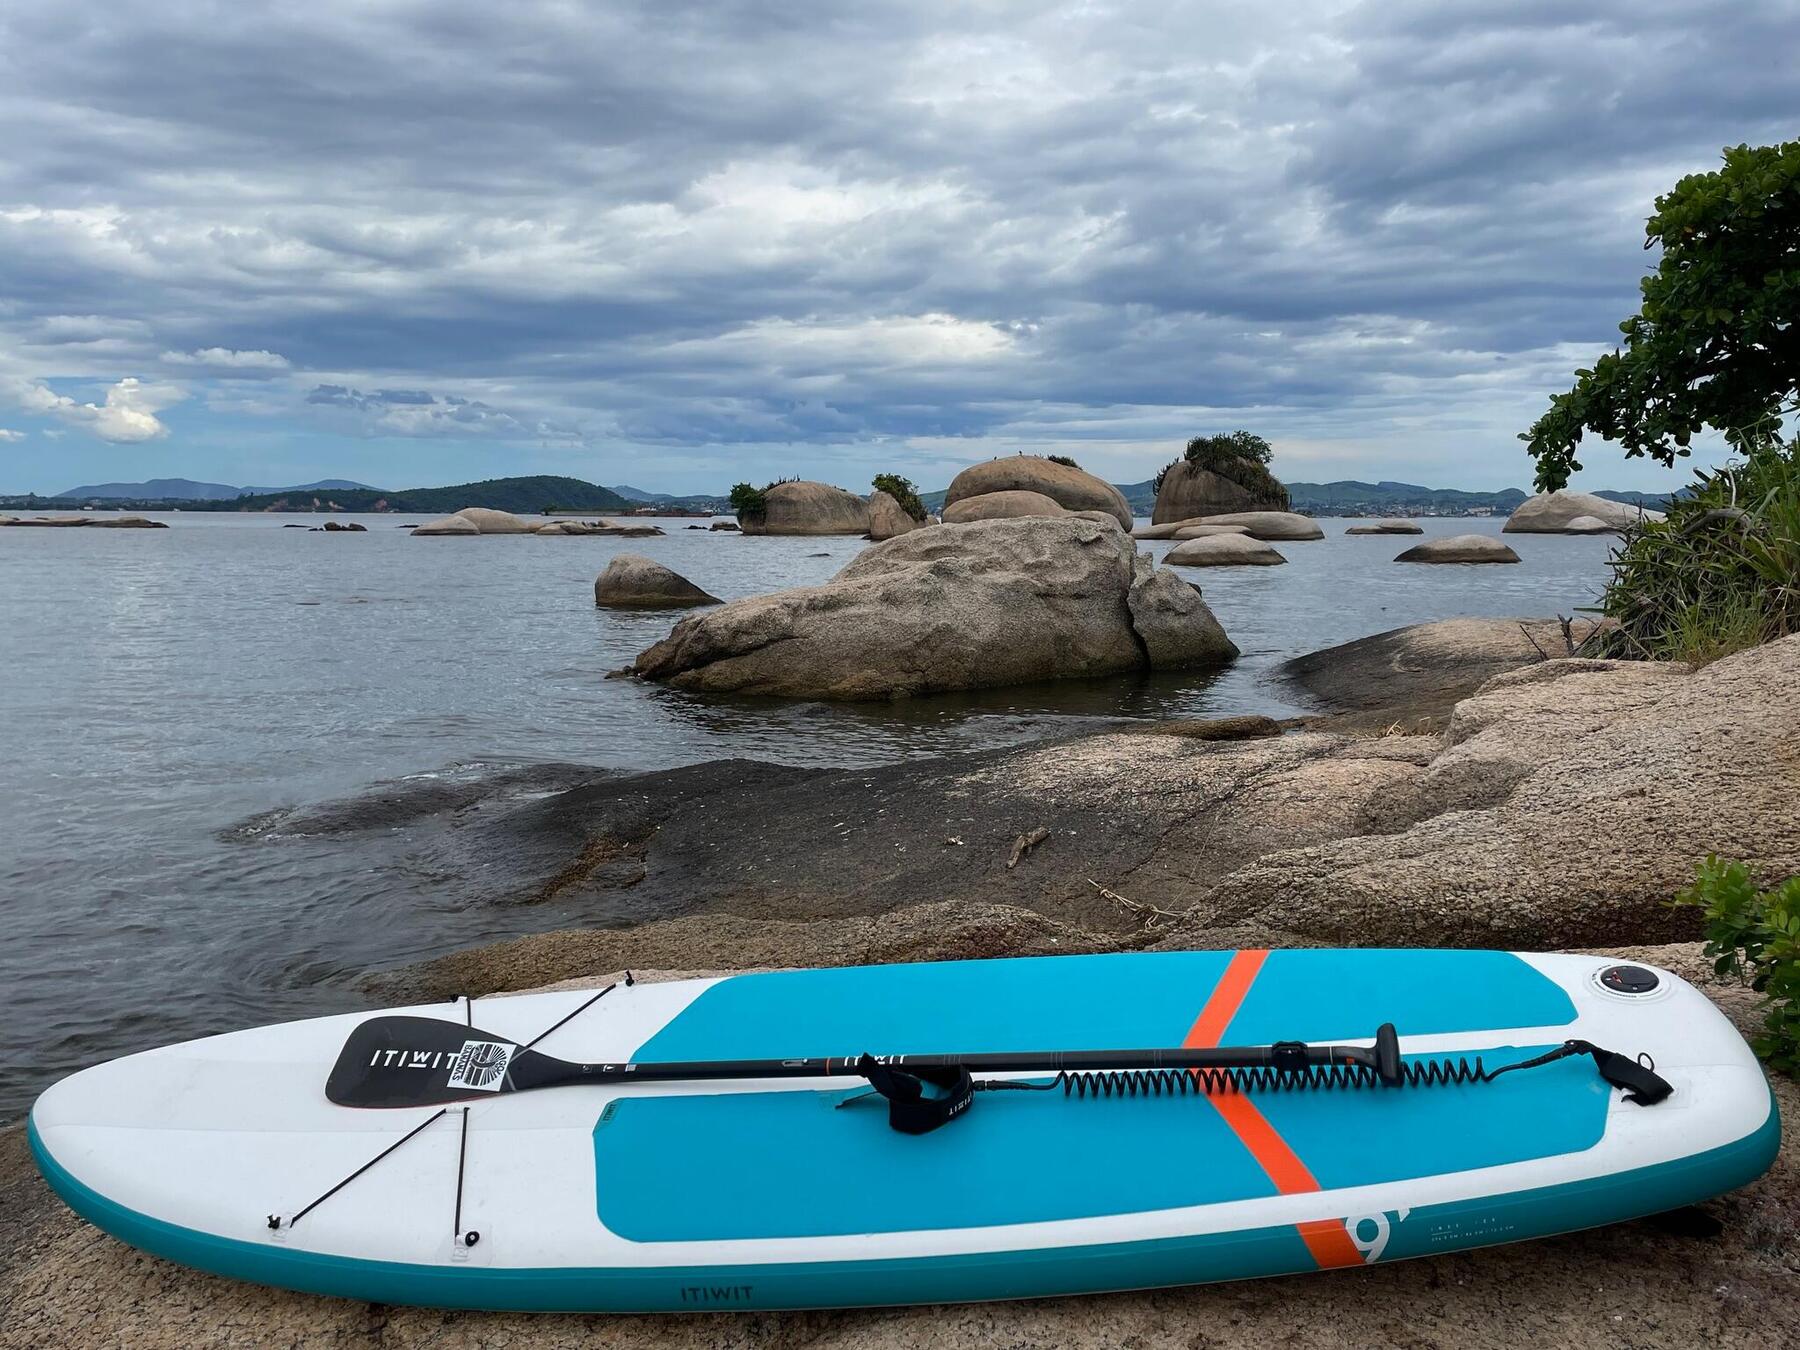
[807, 508]
[994, 602]
[1071, 488]
[887, 518]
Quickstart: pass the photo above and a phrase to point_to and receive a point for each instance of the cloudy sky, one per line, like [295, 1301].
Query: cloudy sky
[675, 244]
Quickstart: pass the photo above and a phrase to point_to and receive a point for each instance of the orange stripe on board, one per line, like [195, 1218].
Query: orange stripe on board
[1326, 1239]
[1225, 1000]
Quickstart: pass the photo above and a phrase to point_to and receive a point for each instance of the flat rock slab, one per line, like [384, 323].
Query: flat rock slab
[1277, 525]
[1387, 527]
[1460, 548]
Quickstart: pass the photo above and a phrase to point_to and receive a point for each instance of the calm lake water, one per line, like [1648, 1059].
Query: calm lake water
[162, 686]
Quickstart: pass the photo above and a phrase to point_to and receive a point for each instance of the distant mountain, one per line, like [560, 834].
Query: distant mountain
[525, 496]
[692, 501]
[1351, 497]
[187, 490]
[323, 485]
[163, 489]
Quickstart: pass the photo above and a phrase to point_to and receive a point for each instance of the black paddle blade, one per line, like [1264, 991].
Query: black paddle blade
[422, 1061]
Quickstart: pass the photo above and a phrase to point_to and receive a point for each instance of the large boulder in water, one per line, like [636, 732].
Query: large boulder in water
[632, 581]
[1189, 491]
[1223, 550]
[447, 525]
[1070, 488]
[488, 521]
[887, 518]
[1460, 548]
[809, 508]
[1011, 505]
[1286, 525]
[990, 603]
[1554, 512]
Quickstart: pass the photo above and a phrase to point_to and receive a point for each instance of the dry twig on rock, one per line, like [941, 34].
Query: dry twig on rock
[1024, 844]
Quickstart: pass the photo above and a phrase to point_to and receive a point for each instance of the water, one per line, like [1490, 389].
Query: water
[160, 687]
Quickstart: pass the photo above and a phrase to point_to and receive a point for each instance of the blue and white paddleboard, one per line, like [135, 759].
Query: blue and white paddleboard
[226, 1155]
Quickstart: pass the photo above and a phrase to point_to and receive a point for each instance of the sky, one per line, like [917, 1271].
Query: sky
[675, 245]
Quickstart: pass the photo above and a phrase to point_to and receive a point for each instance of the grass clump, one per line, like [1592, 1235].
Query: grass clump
[1063, 460]
[902, 490]
[1720, 574]
[1755, 935]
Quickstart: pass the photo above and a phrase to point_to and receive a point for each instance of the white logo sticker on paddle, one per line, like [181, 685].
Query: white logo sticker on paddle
[481, 1065]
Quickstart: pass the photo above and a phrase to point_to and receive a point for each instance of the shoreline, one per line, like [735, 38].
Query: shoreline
[1459, 790]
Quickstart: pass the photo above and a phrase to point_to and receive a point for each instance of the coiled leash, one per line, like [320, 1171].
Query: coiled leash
[921, 1097]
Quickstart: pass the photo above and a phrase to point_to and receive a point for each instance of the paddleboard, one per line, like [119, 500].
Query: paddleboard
[226, 1153]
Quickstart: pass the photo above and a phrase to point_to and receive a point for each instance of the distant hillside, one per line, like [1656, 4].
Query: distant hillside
[186, 490]
[1351, 497]
[526, 496]
[694, 501]
[162, 489]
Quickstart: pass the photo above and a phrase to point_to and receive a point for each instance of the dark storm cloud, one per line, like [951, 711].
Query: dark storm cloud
[702, 224]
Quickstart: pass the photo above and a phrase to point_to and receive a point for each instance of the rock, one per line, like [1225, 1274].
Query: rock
[486, 521]
[1223, 550]
[1071, 489]
[1387, 527]
[632, 581]
[1417, 673]
[447, 525]
[1589, 525]
[1208, 531]
[1009, 505]
[720, 525]
[341, 527]
[1247, 727]
[1552, 512]
[1569, 801]
[1098, 517]
[65, 522]
[138, 523]
[1281, 525]
[563, 527]
[1190, 492]
[1460, 548]
[887, 518]
[809, 508]
[990, 603]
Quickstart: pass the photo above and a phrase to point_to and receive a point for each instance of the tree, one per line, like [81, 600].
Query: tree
[902, 490]
[1716, 342]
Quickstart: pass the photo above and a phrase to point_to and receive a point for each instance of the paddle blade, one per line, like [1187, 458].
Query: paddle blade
[421, 1061]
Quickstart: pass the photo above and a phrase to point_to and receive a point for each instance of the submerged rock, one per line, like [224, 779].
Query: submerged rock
[1008, 505]
[1223, 550]
[632, 581]
[990, 603]
[1070, 488]
[1460, 548]
[1555, 512]
[809, 508]
[1387, 527]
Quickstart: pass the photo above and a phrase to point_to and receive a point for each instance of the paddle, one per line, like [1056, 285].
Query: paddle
[398, 1061]
[394, 1061]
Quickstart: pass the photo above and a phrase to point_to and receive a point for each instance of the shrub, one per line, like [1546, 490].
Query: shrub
[1063, 460]
[1722, 573]
[1755, 935]
[901, 490]
[750, 503]
[1241, 457]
